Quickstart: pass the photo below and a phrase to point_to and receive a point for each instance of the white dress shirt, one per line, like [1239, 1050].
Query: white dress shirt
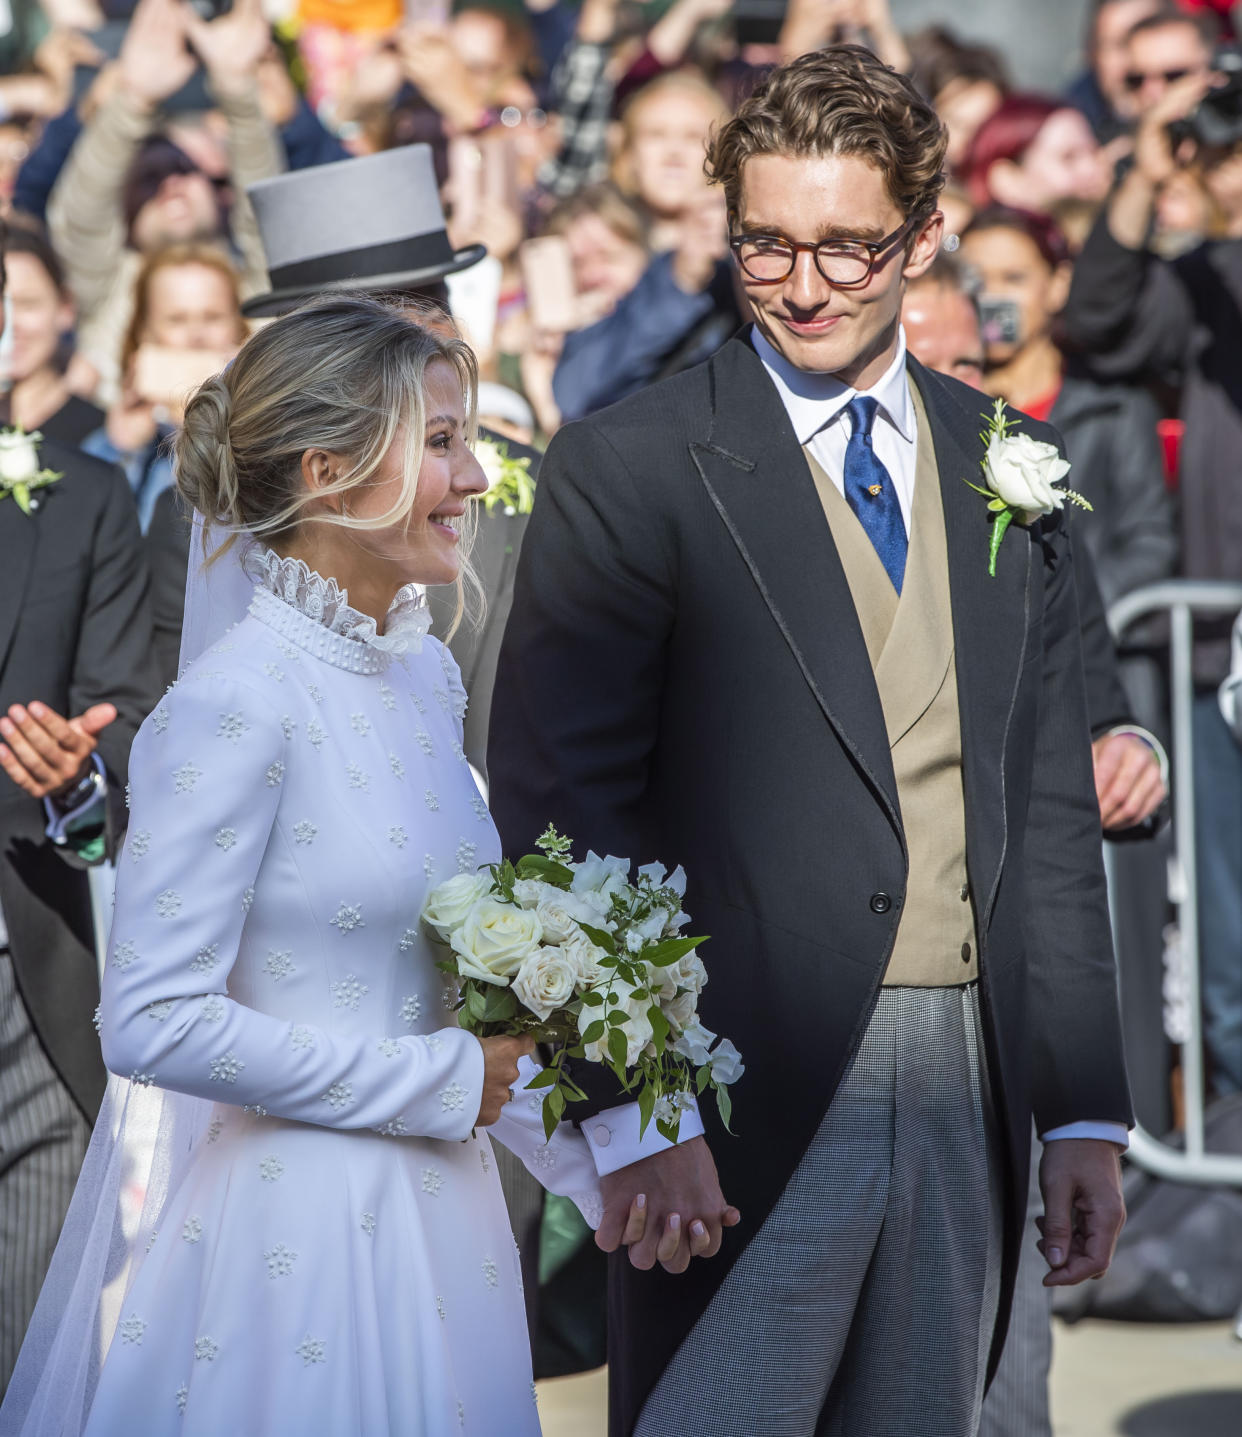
[816, 403]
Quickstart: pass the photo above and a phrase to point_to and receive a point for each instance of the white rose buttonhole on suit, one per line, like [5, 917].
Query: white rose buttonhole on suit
[1022, 474]
[583, 959]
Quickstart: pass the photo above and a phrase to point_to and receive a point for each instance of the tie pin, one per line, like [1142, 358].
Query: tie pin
[874, 489]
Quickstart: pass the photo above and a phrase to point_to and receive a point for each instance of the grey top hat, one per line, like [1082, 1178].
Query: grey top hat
[371, 223]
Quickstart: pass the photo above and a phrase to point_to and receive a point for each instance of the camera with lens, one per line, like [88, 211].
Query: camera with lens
[1216, 122]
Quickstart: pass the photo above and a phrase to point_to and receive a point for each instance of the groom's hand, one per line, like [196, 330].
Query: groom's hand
[685, 1210]
[1080, 1179]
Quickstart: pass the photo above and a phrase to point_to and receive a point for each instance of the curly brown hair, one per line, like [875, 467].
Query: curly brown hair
[838, 101]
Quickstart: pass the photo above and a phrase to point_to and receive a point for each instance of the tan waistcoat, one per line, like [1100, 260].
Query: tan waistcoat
[910, 642]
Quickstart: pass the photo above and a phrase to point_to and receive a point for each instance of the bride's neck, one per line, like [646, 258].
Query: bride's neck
[333, 553]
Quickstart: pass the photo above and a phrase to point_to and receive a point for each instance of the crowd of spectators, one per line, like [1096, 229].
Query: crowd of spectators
[1092, 270]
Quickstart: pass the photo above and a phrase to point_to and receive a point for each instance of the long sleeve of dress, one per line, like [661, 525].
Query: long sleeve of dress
[206, 775]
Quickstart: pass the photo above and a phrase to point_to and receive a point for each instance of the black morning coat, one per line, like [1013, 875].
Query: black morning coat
[684, 678]
[75, 630]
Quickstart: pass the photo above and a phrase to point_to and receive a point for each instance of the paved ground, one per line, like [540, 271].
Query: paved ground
[1109, 1380]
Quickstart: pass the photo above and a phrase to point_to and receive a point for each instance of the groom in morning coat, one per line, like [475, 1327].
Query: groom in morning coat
[754, 632]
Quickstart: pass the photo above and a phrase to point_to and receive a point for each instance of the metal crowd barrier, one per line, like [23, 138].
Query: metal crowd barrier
[1182, 600]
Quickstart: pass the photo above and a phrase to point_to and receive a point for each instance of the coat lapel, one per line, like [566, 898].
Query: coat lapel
[765, 495]
[991, 618]
[19, 537]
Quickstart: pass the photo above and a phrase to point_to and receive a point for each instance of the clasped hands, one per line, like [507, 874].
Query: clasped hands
[667, 1208]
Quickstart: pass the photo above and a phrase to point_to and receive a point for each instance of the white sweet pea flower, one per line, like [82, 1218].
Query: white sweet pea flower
[601, 875]
[726, 1063]
[450, 902]
[694, 1043]
[495, 940]
[690, 972]
[19, 456]
[546, 980]
[1022, 471]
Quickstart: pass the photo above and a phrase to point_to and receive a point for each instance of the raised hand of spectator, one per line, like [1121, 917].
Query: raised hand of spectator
[704, 243]
[231, 47]
[155, 61]
[670, 37]
[59, 54]
[438, 72]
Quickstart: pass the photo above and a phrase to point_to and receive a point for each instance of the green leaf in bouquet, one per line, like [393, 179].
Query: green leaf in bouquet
[535, 865]
[601, 938]
[594, 1032]
[615, 1017]
[569, 1086]
[617, 1050]
[671, 951]
[667, 1130]
[659, 1026]
[704, 1077]
[550, 1120]
[545, 1078]
[555, 1104]
[646, 1106]
[476, 1004]
[725, 1104]
[593, 998]
[499, 1004]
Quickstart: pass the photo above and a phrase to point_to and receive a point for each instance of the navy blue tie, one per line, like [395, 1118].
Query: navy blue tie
[870, 492]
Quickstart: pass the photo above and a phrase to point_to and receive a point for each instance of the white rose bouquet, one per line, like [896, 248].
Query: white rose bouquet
[1022, 475]
[583, 959]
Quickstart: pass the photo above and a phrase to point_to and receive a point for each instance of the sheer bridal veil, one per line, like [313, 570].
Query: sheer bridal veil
[142, 1143]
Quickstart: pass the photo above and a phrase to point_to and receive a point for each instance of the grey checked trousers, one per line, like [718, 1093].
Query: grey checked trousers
[864, 1306]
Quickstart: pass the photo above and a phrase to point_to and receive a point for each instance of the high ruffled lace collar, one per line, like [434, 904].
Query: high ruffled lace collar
[315, 613]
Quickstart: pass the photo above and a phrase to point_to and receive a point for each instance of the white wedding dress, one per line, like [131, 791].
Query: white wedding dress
[337, 1258]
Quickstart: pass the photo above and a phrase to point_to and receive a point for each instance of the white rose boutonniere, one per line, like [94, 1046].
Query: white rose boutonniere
[1021, 474]
[509, 485]
[20, 470]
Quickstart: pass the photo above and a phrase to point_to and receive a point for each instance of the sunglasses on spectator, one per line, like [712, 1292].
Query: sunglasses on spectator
[1136, 79]
[845, 264]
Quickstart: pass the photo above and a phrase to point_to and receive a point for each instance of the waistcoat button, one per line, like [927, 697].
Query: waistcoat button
[965, 952]
[880, 903]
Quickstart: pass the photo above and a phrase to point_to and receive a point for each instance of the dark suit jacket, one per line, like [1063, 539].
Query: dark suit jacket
[684, 677]
[476, 647]
[75, 630]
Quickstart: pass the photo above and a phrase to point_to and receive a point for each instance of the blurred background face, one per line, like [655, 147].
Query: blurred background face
[182, 210]
[1010, 267]
[606, 265]
[963, 105]
[486, 50]
[942, 331]
[1159, 57]
[1062, 162]
[191, 306]
[41, 315]
[1111, 49]
[667, 142]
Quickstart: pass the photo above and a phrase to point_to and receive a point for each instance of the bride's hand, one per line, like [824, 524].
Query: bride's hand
[500, 1072]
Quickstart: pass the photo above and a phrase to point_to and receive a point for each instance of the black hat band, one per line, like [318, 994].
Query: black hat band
[418, 252]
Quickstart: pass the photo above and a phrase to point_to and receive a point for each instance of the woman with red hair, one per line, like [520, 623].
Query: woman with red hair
[1034, 152]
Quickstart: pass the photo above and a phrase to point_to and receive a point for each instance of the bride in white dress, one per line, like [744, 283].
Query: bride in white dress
[335, 1257]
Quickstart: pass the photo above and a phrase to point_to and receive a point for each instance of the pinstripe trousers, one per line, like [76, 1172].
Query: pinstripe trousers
[864, 1306]
[43, 1139]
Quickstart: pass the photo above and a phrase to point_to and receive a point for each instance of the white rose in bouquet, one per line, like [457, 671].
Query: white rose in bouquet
[560, 913]
[1022, 471]
[586, 958]
[495, 940]
[530, 892]
[546, 980]
[449, 903]
[19, 456]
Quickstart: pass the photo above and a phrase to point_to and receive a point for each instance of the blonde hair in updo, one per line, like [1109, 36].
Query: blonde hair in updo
[341, 373]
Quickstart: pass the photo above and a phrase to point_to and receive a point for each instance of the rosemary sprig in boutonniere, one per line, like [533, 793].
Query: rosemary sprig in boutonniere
[20, 471]
[509, 483]
[1021, 474]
